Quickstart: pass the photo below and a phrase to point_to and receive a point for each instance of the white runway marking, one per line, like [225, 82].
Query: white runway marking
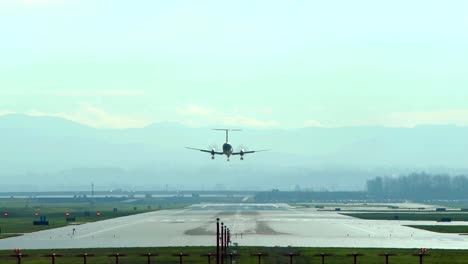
[277, 225]
[360, 229]
[110, 228]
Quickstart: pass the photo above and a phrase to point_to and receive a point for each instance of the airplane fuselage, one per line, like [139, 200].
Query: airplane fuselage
[227, 149]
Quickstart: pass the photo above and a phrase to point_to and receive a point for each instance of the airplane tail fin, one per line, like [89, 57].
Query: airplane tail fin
[227, 131]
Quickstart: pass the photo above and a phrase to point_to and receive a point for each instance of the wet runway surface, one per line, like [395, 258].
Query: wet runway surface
[251, 225]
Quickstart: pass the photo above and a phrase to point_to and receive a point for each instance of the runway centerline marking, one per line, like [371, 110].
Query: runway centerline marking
[115, 227]
[358, 228]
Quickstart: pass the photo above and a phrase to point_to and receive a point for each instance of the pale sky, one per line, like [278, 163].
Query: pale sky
[282, 64]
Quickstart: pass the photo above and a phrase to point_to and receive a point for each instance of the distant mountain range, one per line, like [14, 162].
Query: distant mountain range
[45, 152]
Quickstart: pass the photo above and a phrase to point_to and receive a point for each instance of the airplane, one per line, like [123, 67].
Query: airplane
[227, 147]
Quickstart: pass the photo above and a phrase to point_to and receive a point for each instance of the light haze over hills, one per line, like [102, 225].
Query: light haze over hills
[40, 153]
[380, 85]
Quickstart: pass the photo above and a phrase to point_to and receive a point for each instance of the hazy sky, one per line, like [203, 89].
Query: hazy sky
[270, 63]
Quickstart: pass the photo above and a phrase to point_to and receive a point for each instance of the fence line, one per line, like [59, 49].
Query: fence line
[225, 257]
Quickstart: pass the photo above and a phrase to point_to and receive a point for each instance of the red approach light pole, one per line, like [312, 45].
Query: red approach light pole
[19, 256]
[217, 240]
[85, 257]
[222, 243]
[225, 241]
[323, 255]
[421, 256]
[117, 257]
[231, 256]
[181, 256]
[259, 255]
[386, 255]
[291, 256]
[148, 257]
[53, 256]
[228, 239]
[355, 255]
[209, 255]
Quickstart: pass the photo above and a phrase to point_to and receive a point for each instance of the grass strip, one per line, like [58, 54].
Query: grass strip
[452, 229]
[411, 216]
[273, 255]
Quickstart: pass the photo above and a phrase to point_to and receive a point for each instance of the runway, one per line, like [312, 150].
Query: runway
[250, 224]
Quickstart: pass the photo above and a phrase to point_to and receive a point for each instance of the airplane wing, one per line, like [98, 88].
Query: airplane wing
[248, 152]
[205, 150]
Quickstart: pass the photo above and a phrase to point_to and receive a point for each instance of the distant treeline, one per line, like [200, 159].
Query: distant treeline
[419, 186]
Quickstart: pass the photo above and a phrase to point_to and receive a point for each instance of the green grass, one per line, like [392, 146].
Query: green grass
[443, 228]
[2, 236]
[21, 220]
[410, 216]
[21, 213]
[274, 255]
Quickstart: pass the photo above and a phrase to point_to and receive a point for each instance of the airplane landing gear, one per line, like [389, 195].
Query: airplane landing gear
[212, 157]
[242, 158]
